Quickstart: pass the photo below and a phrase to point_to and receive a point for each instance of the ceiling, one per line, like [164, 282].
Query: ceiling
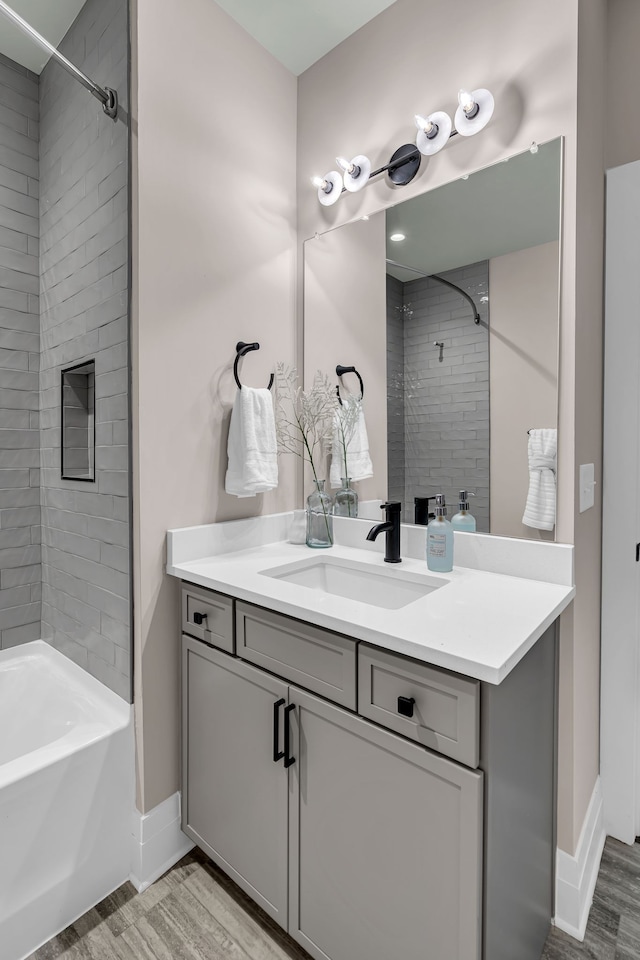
[296, 32]
[299, 32]
[51, 18]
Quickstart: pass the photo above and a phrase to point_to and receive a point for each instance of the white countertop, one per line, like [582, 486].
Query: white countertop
[479, 624]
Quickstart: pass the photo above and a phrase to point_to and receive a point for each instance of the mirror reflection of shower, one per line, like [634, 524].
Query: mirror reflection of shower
[438, 385]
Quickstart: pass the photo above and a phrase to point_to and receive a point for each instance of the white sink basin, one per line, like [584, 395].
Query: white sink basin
[390, 589]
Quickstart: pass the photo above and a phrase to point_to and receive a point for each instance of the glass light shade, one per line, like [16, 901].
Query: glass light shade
[358, 179]
[430, 145]
[331, 197]
[468, 126]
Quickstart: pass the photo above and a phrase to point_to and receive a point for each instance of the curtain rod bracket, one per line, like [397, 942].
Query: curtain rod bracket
[110, 105]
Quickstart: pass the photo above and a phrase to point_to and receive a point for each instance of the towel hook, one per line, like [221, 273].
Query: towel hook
[340, 371]
[241, 349]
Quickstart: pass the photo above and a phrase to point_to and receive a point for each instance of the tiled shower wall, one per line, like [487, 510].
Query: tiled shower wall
[83, 286]
[446, 403]
[395, 391]
[20, 574]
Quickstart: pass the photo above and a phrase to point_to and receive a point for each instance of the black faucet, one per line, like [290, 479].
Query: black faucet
[391, 529]
[422, 512]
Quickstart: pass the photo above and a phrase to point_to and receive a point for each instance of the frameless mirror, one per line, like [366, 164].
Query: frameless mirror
[448, 306]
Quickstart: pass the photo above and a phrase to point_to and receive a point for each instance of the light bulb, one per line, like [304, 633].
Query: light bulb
[319, 183]
[466, 101]
[346, 165]
[397, 237]
[534, 147]
[426, 124]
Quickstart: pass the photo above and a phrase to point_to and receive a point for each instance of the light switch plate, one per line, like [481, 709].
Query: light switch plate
[587, 485]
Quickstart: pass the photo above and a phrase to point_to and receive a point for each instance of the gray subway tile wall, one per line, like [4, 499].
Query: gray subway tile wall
[84, 306]
[395, 394]
[20, 551]
[446, 403]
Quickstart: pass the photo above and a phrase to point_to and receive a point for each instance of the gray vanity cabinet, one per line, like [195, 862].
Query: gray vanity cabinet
[235, 807]
[385, 843]
[421, 827]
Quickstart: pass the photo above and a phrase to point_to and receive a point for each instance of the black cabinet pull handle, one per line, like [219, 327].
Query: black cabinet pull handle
[199, 618]
[288, 759]
[405, 706]
[277, 754]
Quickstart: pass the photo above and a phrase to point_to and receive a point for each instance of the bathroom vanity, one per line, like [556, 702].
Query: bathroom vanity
[372, 800]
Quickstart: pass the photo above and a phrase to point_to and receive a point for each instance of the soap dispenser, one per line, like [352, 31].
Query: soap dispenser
[440, 539]
[463, 520]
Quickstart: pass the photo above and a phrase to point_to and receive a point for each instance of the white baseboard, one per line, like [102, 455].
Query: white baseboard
[157, 842]
[576, 875]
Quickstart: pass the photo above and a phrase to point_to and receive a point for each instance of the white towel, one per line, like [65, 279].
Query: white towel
[252, 448]
[540, 511]
[358, 464]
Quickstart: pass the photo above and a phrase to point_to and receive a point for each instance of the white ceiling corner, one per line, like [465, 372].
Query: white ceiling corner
[299, 32]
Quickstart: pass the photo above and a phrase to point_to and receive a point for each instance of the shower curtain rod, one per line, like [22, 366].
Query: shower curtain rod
[107, 96]
[432, 276]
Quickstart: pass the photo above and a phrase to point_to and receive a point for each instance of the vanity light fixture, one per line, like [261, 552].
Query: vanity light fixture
[329, 187]
[356, 172]
[433, 132]
[474, 111]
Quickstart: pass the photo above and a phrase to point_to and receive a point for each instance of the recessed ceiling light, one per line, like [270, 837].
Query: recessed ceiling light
[396, 237]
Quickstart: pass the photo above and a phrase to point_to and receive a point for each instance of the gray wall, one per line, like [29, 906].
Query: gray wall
[19, 347]
[84, 278]
[446, 404]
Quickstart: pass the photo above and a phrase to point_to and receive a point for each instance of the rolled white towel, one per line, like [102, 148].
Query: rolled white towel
[540, 509]
[252, 447]
[350, 416]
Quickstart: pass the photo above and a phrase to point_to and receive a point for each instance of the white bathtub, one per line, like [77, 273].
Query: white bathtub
[66, 795]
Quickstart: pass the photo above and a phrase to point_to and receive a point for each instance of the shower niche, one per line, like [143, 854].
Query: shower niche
[78, 442]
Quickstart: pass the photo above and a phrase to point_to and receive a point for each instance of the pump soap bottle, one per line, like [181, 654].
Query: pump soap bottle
[463, 520]
[440, 539]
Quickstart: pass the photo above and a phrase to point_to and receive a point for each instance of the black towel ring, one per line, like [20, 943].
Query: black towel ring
[340, 371]
[241, 349]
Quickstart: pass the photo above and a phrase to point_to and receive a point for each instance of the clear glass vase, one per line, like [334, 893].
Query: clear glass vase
[319, 517]
[346, 500]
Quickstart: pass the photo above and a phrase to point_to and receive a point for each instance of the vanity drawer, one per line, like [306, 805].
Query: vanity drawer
[215, 613]
[317, 659]
[446, 709]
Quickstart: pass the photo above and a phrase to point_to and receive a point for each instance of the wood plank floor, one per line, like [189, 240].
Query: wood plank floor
[613, 931]
[195, 912]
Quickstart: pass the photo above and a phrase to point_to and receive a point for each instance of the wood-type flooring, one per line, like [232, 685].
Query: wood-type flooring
[195, 912]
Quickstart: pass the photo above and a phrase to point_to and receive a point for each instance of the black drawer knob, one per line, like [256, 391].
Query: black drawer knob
[199, 618]
[405, 706]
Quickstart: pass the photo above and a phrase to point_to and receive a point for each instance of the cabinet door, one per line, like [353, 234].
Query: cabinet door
[235, 795]
[385, 846]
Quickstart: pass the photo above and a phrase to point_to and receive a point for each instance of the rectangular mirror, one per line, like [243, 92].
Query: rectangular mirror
[448, 306]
